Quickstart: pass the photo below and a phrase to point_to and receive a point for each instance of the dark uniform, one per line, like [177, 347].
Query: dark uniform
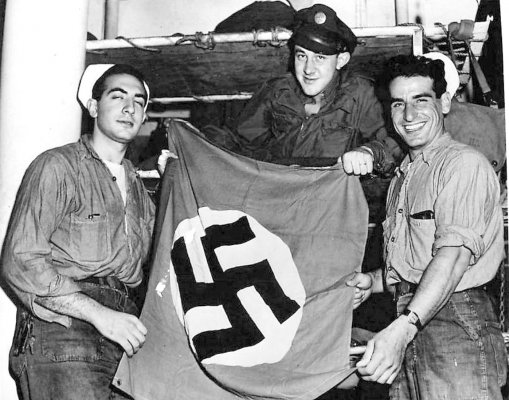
[275, 126]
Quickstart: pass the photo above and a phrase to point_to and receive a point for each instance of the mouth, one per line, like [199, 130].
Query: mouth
[309, 80]
[126, 123]
[414, 127]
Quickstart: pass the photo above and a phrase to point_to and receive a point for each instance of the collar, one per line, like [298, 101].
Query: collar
[427, 154]
[341, 87]
[86, 151]
[85, 148]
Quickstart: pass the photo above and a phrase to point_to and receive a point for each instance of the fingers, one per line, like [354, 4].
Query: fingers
[163, 159]
[357, 350]
[360, 280]
[379, 363]
[358, 298]
[357, 162]
[136, 336]
[366, 358]
[126, 330]
[136, 341]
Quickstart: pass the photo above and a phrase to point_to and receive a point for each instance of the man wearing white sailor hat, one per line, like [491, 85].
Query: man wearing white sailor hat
[78, 237]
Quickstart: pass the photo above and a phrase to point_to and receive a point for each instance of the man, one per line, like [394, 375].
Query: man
[79, 234]
[322, 110]
[443, 243]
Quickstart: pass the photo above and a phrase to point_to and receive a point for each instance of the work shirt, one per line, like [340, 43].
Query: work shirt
[69, 222]
[448, 195]
[274, 124]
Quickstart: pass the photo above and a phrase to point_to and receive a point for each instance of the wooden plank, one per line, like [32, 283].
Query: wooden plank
[230, 68]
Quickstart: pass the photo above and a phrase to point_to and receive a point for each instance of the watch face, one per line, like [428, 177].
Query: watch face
[412, 318]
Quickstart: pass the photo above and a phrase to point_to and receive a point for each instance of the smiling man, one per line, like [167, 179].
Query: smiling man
[444, 242]
[79, 234]
[322, 109]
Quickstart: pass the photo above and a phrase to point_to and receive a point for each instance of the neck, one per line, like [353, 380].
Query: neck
[108, 149]
[413, 153]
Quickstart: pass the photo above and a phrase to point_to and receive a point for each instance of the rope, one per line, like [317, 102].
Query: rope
[276, 42]
[200, 39]
[256, 42]
[150, 49]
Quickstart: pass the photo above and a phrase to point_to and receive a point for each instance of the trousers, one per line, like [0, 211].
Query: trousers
[458, 355]
[75, 363]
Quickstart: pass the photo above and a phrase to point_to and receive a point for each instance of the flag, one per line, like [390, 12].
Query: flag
[247, 294]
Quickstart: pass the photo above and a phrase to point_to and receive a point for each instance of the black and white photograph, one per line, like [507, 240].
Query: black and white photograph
[258, 200]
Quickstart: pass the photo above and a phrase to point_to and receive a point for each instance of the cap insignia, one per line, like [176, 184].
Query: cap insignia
[320, 18]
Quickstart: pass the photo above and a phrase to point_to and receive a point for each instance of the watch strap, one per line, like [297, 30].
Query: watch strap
[413, 318]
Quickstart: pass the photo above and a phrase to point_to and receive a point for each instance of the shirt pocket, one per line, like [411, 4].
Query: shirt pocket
[340, 136]
[90, 242]
[421, 236]
[281, 124]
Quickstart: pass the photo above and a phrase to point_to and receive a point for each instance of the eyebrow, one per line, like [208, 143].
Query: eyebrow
[417, 96]
[119, 89]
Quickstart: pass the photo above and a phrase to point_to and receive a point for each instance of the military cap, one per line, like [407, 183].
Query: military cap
[319, 29]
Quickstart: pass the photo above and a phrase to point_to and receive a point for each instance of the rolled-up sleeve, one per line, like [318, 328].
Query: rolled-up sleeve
[386, 151]
[468, 196]
[45, 195]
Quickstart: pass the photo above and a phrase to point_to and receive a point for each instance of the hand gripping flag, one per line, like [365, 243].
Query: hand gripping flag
[247, 295]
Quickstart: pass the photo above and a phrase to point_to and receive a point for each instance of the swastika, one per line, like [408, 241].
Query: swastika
[224, 288]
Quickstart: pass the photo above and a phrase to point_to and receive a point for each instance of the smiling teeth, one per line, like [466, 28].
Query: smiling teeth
[414, 127]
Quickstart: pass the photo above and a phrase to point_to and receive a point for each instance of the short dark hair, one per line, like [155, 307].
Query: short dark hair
[118, 69]
[409, 65]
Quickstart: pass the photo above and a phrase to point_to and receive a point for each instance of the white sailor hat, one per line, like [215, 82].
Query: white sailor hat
[90, 76]
[451, 73]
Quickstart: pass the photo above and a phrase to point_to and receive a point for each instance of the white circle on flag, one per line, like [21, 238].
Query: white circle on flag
[265, 245]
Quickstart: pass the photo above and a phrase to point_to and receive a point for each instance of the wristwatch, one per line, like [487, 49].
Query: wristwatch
[413, 318]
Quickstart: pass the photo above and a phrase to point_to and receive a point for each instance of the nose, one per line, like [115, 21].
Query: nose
[128, 106]
[309, 67]
[409, 112]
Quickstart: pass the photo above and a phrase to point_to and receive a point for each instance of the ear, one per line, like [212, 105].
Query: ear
[445, 100]
[92, 107]
[342, 60]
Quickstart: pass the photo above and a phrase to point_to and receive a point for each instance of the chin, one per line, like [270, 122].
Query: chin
[309, 91]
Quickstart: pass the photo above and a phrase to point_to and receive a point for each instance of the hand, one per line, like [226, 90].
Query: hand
[385, 352]
[363, 284]
[122, 328]
[357, 162]
[163, 159]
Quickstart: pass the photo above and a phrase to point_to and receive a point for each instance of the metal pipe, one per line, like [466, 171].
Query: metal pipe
[111, 10]
[262, 36]
[401, 11]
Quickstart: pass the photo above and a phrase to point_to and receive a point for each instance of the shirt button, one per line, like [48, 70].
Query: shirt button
[393, 239]
[400, 210]
[114, 178]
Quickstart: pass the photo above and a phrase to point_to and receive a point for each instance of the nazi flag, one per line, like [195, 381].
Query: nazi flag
[235, 288]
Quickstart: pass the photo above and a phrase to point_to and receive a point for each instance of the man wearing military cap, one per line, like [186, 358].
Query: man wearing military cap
[322, 109]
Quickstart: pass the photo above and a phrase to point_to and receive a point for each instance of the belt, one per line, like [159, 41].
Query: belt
[111, 281]
[402, 288]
